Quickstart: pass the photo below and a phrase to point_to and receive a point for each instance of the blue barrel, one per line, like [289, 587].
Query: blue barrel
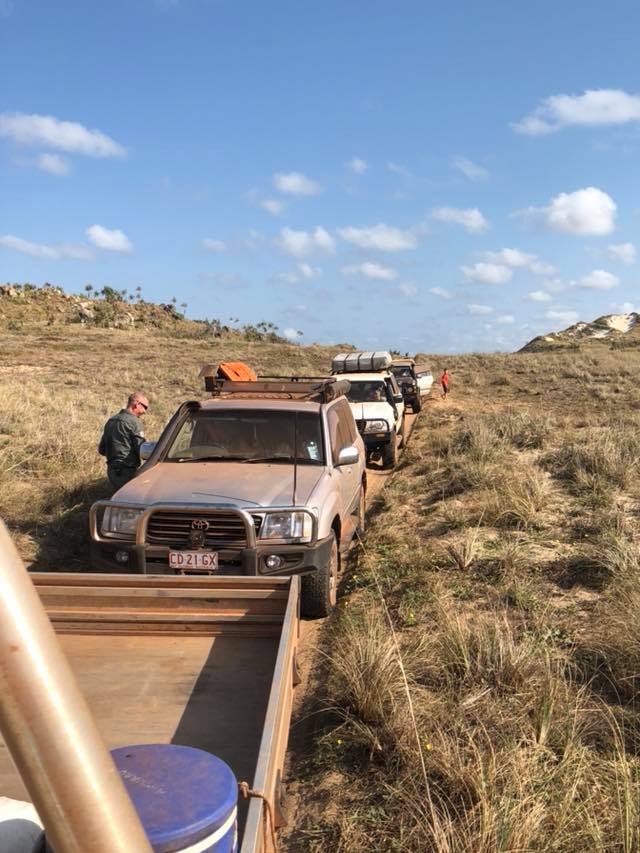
[186, 798]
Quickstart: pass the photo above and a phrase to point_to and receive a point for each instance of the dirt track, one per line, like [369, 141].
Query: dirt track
[303, 720]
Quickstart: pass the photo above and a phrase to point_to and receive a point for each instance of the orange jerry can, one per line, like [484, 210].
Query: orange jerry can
[237, 371]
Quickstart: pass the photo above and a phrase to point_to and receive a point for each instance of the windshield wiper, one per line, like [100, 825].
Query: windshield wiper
[268, 459]
[217, 458]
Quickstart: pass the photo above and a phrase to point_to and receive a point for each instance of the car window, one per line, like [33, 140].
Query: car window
[366, 391]
[247, 435]
[401, 371]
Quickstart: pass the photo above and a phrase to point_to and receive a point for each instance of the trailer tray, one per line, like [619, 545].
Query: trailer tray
[207, 662]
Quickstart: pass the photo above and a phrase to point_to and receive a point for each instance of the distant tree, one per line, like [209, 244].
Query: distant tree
[183, 305]
[123, 293]
[110, 294]
[88, 288]
[174, 300]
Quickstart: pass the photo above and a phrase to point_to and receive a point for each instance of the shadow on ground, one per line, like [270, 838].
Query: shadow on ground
[60, 539]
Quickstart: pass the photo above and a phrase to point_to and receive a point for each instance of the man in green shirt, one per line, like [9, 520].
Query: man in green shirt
[121, 440]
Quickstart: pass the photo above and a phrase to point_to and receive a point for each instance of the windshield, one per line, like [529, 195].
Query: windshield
[248, 436]
[401, 371]
[367, 392]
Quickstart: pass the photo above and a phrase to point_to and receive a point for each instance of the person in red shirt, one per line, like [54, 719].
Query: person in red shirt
[444, 381]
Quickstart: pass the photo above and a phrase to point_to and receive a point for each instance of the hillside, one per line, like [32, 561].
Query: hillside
[25, 307]
[612, 331]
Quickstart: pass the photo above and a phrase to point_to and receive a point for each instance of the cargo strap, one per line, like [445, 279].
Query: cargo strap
[267, 815]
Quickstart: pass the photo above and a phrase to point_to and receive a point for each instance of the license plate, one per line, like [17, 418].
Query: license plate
[193, 561]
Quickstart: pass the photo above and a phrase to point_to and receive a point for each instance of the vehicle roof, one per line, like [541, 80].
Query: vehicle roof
[260, 403]
[403, 361]
[380, 375]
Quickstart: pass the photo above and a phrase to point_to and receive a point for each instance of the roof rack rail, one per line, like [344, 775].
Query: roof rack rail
[314, 389]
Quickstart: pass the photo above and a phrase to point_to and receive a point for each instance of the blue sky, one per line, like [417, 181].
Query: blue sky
[414, 175]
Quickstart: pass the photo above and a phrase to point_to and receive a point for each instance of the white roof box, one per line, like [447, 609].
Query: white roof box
[360, 362]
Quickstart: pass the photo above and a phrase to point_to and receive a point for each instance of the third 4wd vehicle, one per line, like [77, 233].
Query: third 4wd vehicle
[265, 478]
[415, 381]
[376, 402]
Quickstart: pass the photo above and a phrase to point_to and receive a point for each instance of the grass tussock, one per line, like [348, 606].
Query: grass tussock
[508, 562]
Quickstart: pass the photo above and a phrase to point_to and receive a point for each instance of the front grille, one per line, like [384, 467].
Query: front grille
[173, 529]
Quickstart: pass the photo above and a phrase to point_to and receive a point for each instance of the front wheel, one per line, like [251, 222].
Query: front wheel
[417, 405]
[390, 455]
[319, 592]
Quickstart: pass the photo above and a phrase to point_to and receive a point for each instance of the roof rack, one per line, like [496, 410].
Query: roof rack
[312, 389]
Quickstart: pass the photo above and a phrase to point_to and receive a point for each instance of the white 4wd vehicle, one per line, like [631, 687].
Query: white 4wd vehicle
[265, 478]
[376, 402]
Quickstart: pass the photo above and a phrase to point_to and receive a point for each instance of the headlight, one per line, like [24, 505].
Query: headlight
[376, 426]
[120, 520]
[287, 525]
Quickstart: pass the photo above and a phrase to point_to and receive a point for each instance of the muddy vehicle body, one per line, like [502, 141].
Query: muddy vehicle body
[265, 478]
[415, 381]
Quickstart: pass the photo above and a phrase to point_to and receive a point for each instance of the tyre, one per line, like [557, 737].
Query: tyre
[417, 405]
[390, 455]
[320, 589]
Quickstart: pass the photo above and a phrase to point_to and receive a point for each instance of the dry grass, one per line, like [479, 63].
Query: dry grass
[524, 672]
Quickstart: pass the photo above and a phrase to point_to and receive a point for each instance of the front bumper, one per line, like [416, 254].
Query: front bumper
[141, 557]
[376, 440]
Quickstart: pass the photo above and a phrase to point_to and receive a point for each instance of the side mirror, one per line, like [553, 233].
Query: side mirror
[398, 398]
[146, 449]
[348, 455]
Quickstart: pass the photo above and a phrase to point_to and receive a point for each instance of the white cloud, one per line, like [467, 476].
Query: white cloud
[397, 169]
[357, 165]
[54, 164]
[588, 211]
[408, 289]
[272, 206]
[538, 296]
[556, 285]
[517, 259]
[212, 245]
[542, 268]
[510, 258]
[595, 107]
[599, 280]
[480, 310]
[626, 308]
[488, 273]
[471, 218]
[292, 334]
[62, 135]
[109, 240]
[562, 316]
[40, 250]
[303, 243]
[295, 183]
[384, 238]
[624, 253]
[307, 271]
[439, 291]
[469, 169]
[505, 319]
[370, 270]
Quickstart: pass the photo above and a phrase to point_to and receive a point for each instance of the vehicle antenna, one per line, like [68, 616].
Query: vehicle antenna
[295, 457]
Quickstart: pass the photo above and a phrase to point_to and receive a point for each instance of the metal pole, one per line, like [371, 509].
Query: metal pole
[49, 730]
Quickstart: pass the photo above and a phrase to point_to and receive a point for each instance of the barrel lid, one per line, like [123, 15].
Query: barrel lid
[181, 794]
